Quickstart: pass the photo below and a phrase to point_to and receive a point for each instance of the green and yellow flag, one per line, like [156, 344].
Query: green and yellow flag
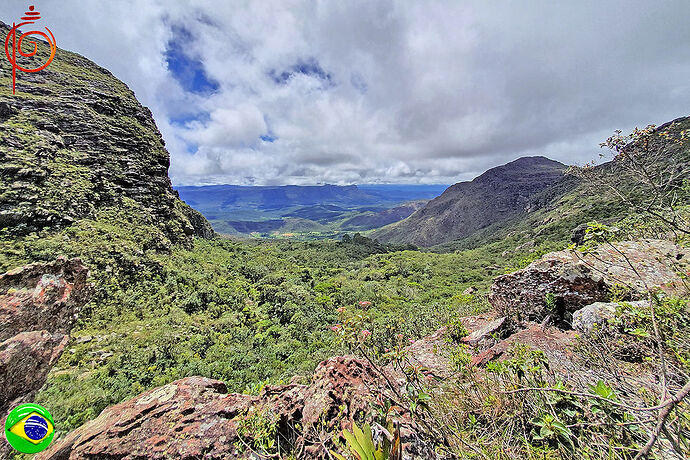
[29, 428]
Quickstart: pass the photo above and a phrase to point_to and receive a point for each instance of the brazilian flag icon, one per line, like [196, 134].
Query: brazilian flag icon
[29, 428]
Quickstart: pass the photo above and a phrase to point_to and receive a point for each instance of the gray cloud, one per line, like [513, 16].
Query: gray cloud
[384, 91]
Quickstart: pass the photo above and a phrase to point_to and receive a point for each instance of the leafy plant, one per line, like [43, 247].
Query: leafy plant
[361, 445]
[259, 428]
[551, 429]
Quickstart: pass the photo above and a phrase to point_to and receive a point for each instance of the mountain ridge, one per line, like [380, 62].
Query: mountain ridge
[313, 211]
[467, 207]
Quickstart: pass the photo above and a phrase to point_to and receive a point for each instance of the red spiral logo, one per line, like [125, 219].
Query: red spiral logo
[16, 46]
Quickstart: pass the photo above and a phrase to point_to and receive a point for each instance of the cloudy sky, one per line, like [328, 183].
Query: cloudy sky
[307, 92]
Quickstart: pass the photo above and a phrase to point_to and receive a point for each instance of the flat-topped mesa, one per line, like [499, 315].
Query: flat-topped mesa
[74, 140]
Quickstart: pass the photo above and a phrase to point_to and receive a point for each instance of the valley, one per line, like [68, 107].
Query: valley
[537, 311]
[305, 212]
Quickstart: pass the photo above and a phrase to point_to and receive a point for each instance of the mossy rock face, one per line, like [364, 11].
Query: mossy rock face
[73, 140]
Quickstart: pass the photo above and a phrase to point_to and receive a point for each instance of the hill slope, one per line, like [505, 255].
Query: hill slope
[75, 141]
[466, 207]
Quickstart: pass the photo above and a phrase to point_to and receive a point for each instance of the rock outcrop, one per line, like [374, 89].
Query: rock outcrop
[556, 345]
[74, 140]
[574, 280]
[38, 306]
[25, 361]
[42, 296]
[196, 418]
[189, 418]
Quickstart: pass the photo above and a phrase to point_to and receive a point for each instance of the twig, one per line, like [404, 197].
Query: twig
[674, 442]
[663, 415]
[636, 422]
[593, 396]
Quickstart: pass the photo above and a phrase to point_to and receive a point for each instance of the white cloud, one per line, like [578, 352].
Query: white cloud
[428, 91]
[235, 127]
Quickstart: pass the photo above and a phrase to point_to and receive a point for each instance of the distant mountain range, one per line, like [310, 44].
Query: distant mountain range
[313, 211]
[524, 200]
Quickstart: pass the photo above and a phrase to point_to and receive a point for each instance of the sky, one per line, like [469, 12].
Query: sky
[272, 92]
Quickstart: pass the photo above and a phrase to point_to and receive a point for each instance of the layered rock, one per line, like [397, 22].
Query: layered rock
[74, 140]
[38, 306]
[573, 280]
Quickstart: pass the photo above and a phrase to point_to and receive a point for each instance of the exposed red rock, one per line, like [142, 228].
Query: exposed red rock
[25, 361]
[42, 296]
[195, 418]
[189, 418]
[486, 332]
[428, 353]
[556, 345]
[38, 305]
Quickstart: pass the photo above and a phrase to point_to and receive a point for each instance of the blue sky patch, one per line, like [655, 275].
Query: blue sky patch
[187, 70]
[183, 119]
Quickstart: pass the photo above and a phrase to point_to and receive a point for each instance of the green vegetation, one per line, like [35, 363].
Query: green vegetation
[257, 312]
[361, 444]
[241, 312]
[250, 313]
[520, 408]
[90, 182]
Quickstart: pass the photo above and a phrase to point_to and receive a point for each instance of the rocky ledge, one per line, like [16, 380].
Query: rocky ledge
[573, 279]
[196, 418]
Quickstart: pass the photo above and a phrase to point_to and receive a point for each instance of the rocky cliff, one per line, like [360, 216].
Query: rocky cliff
[74, 140]
[466, 207]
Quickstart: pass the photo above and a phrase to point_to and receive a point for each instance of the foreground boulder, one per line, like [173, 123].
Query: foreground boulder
[195, 418]
[573, 279]
[38, 306]
[189, 418]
